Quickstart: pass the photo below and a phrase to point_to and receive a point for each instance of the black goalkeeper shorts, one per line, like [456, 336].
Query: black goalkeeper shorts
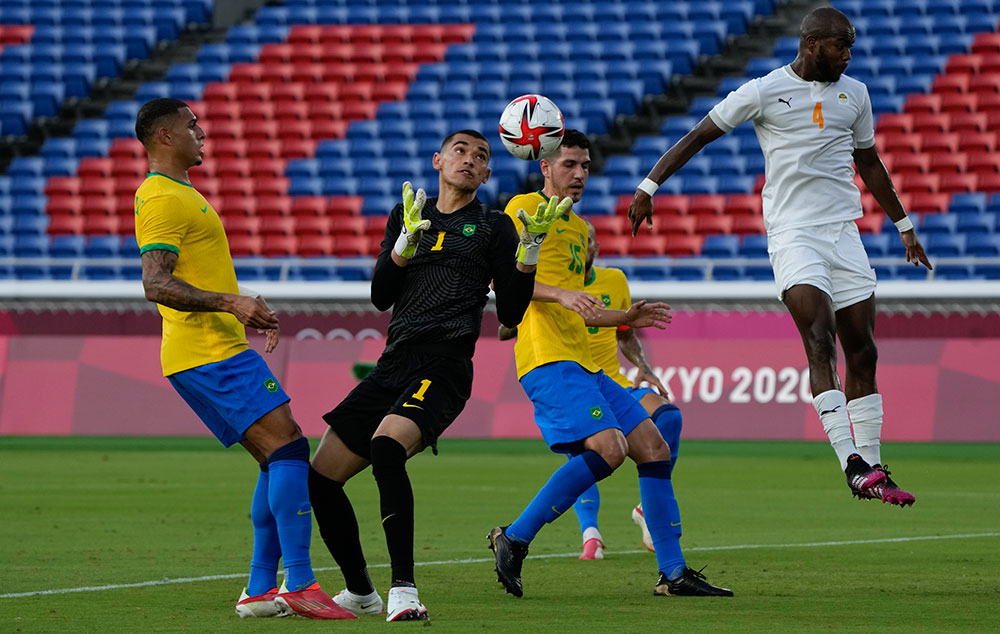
[428, 388]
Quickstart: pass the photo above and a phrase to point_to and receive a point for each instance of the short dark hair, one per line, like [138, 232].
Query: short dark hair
[150, 114]
[474, 134]
[575, 138]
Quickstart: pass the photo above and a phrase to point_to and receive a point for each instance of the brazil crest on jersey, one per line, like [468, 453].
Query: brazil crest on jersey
[174, 216]
[548, 332]
[611, 287]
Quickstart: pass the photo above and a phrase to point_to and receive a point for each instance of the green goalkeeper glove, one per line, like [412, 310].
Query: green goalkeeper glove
[537, 227]
[413, 225]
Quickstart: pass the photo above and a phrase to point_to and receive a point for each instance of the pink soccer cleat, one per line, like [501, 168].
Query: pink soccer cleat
[311, 603]
[259, 606]
[887, 490]
[593, 548]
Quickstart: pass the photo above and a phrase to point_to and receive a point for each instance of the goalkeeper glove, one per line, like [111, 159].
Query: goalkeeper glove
[413, 225]
[537, 227]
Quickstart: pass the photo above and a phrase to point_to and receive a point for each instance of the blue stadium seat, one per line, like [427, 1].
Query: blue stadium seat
[753, 246]
[983, 245]
[31, 245]
[945, 245]
[721, 246]
[939, 223]
[953, 272]
[973, 223]
[728, 273]
[102, 247]
[876, 244]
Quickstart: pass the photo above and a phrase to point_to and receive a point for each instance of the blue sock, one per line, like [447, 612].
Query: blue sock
[558, 494]
[669, 421]
[586, 507]
[288, 497]
[663, 517]
[266, 549]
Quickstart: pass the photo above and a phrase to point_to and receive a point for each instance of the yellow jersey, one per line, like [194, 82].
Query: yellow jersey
[173, 216]
[611, 287]
[549, 332]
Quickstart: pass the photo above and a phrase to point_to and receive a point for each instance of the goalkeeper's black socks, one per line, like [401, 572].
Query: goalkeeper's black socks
[396, 502]
[338, 526]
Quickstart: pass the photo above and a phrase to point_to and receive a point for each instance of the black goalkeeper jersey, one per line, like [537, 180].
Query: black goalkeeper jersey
[438, 298]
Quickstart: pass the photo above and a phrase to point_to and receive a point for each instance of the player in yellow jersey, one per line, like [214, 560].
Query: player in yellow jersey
[609, 287]
[580, 411]
[188, 272]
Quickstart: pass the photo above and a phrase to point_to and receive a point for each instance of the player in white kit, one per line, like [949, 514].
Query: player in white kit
[812, 122]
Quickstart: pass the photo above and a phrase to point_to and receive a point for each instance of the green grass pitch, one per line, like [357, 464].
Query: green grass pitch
[773, 521]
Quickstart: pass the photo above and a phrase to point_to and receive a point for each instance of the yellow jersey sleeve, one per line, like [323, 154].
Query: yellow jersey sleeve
[550, 333]
[611, 287]
[173, 216]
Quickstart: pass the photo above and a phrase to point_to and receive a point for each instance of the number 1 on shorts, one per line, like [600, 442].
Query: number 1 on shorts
[419, 394]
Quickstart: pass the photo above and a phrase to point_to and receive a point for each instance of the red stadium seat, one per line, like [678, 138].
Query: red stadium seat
[401, 34]
[305, 206]
[314, 225]
[336, 33]
[126, 148]
[706, 204]
[237, 225]
[243, 245]
[457, 33]
[308, 53]
[348, 226]
[401, 72]
[236, 186]
[280, 246]
[957, 183]
[747, 224]
[262, 149]
[296, 148]
[737, 204]
[615, 245]
[130, 168]
[645, 244]
[316, 245]
[305, 34]
[974, 122]
[909, 163]
[228, 148]
[309, 74]
[294, 129]
[94, 168]
[237, 205]
[335, 74]
[66, 185]
[63, 224]
[670, 224]
[939, 143]
[291, 111]
[375, 226]
[261, 130]
[324, 110]
[400, 54]
[913, 182]
[948, 163]
[220, 91]
[357, 91]
[365, 34]
[276, 54]
[99, 224]
[988, 182]
[870, 223]
[428, 34]
[351, 246]
[390, 91]
[963, 64]
[64, 205]
[922, 103]
[245, 73]
[232, 168]
[327, 128]
[868, 204]
[959, 103]
[206, 185]
[97, 187]
[893, 143]
[983, 161]
[944, 84]
[928, 203]
[124, 207]
[430, 53]
[610, 225]
[707, 224]
[668, 204]
[274, 206]
[985, 83]
[987, 42]
[894, 122]
[270, 186]
[987, 102]
[984, 141]
[254, 111]
[930, 122]
[679, 245]
[267, 168]
[354, 110]
[991, 62]
[277, 225]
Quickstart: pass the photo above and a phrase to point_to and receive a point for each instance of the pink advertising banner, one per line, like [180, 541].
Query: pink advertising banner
[743, 387]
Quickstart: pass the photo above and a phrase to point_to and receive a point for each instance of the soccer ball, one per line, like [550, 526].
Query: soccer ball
[531, 127]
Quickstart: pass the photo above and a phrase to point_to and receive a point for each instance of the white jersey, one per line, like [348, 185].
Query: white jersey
[808, 131]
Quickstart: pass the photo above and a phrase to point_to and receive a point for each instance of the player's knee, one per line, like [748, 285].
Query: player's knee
[613, 453]
[864, 357]
[820, 343]
[387, 455]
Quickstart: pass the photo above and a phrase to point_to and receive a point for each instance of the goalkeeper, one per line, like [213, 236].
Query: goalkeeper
[438, 259]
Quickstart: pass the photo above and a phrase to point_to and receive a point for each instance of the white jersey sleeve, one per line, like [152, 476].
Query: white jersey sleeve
[864, 126]
[743, 104]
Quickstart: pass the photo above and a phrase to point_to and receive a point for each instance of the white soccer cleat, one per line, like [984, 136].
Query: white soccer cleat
[360, 603]
[640, 521]
[405, 605]
[260, 606]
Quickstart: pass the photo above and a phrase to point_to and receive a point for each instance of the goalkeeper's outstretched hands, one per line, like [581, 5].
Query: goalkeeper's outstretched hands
[536, 227]
[413, 225]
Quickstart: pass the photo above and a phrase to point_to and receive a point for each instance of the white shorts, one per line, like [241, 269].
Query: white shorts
[829, 257]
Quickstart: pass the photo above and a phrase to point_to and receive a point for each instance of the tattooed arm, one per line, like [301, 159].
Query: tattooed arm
[163, 287]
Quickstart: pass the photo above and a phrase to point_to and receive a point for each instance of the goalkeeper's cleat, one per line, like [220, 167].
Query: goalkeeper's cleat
[640, 521]
[259, 606]
[860, 475]
[405, 605]
[593, 548]
[359, 603]
[691, 583]
[311, 603]
[887, 490]
[509, 555]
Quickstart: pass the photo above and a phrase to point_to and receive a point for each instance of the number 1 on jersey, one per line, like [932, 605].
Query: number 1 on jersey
[818, 114]
[439, 245]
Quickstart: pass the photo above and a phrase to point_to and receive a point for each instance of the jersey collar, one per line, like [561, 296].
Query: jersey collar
[148, 174]
[591, 277]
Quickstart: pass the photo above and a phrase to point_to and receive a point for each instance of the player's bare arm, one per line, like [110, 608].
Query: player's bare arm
[879, 183]
[640, 315]
[163, 287]
[580, 302]
[630, 346]
[672, 160]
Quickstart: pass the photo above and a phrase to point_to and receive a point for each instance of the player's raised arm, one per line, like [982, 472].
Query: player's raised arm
[672, 160]
[513, 280]
[876, 177]
[403, 231]
[163, 287]
[640, 315]
[630, 346]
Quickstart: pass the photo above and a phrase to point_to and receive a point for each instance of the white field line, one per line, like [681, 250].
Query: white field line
[482, 560]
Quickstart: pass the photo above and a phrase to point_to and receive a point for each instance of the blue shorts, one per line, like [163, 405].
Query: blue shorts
[572, 404]
[638, 392]
[230, 395]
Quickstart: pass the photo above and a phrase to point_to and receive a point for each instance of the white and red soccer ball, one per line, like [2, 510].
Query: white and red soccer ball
[531, 127]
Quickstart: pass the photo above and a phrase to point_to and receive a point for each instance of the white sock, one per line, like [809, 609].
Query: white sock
[592, 533]
[866, 416]
[832, 409]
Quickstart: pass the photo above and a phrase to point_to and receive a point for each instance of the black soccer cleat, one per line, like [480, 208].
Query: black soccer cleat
[691, 583]
[509, 557]
[887, 490]
[861, 475]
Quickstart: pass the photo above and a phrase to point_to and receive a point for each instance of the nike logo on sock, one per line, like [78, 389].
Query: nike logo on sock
[673, 524]
[305, 512]
[387, 517]
[830, 411]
